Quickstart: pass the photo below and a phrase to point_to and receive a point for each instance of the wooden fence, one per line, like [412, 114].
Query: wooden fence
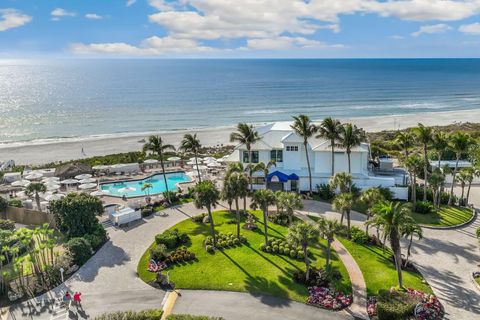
[28, 217]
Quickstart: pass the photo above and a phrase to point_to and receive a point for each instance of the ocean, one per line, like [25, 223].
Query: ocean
[68, 99]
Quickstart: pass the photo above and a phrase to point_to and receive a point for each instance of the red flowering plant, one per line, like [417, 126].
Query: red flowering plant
[328, 298]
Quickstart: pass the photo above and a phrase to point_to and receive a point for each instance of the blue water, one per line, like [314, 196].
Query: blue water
[157, 182]
[78, 98]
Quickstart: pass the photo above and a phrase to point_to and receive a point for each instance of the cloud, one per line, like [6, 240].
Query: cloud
[58, 13]
[12, 18]
[472, 29]
[432, 29]
[160, 5]
[285, 43]
[130, 3]
[93, 16]
[396, 37]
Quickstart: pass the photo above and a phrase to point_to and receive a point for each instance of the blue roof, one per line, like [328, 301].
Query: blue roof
[282, 177]
[293, 176]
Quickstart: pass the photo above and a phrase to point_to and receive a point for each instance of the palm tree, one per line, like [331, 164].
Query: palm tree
[191, 143]
[206, 195]
[473, 172]
[247, 136]
[425, 137]
[404, 140]
[328, 229]
[462, 178]
[238, 167]
[370, 197]
[413, 163]
[291, 201]
[34, 189]
[262, 199]
[350, 137]
[393, 218]
[264, 168]
[238, 185]
[409, 231]
[436, 180]
[303, 234]
[228, 193]
[146, 187]
[305, 129]
[460, 143]
[155, 144]
[342, 181]
[344, 203]
[440, 145]
[330, 129]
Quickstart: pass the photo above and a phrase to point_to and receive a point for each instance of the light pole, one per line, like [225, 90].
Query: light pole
[61, 273]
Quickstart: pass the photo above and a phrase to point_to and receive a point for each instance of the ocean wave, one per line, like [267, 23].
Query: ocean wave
[422, 105]
[265, 111]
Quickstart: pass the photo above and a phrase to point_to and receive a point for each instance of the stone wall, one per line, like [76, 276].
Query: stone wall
[28, 217]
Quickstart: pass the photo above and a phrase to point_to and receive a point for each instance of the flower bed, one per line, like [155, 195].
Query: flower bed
[328, 299]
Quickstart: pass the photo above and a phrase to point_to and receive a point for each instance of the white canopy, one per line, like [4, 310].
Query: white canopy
[192, 163]
[51, 179]
[101, 167]
[69, 181]
[56, 196]
[52, 186]
[99, 193]
[34, 176]
[214, 165]
[88, 180]
[174, 159]
[21, 183]
[150, 161]
[83, 176]
[126, 190]
[200, 167]
[87, 186]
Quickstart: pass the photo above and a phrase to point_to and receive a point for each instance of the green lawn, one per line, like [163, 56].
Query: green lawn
[378, 271]
[244, 268]
[446, 217]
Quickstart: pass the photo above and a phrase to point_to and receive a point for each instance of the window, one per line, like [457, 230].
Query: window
[254, 157]
[276, 155]
[292, 148]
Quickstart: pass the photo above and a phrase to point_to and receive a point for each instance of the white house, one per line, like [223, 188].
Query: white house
[279, 143]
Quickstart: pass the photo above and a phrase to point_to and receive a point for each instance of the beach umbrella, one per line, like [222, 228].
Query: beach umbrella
[69, 181]
[56, 196]
[99, 193]
[200, 167]
[87, 186]
[83, 176]
[34, 176]
[214, 165]
[150, 161]
[174, 159]
[192, 163]
[126, 190]
[50, 179]
[21, 183]
[88, 180]
[52, 186]
[101, 167]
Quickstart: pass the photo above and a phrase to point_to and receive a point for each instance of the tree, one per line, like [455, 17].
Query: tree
[330, 129]
[36, 188]
[303, 234]
[460, 143]
[473, 172]
[227, 193]
[413, 163]
[350, 137]
[370, 197]
[436, 180]
[262, 199]
[425, 137]
[328, 229]
[305, 129]
[409, 231]
[76, 214]
[342, 181]
[393, 218]
[146, 187]
[440, 145]
[264, 168]
[206, 195]
[191, 143]
[462, 177]
[344, 203]
[155, 144]
[238, 184]
[247, 136]
[404, 140]
[291, 201]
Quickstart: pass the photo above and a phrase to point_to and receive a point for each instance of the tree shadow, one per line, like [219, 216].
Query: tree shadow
[259, 286]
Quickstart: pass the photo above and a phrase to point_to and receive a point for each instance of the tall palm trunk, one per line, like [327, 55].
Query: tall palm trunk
[327, 258]
[250, 173]
[414, 191]
[425, 173]
[245, 205]
[450, 198]
[37, 200]
[238, 218]
[440, 154]
[349, 162]
[309, 169]
[468, 192]
[212, 226]
[307, 262]
[265, 228]
[463, 192]
[368, 218]
[160, 153]
[348, 223]
[332, 142]
[196, 163]
[397, 254]
[409, 250]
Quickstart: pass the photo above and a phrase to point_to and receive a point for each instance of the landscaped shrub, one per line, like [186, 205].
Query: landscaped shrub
[424, 207]
[279, 218]
[180, 255]
[478, 232]
[159, 252]
[173, 196]
[395, 305]
[191, 317]
[198, 218]
[147, 211]
[80, 250]
[325, 192]
[3, 204]
[224, 241]
[293, 253]
[7, 225]
[172, 238]
[318, 277]
[15, 203]
[153, 314]
[209, 248]
[359, 236]
[443, 195]
[282, 247]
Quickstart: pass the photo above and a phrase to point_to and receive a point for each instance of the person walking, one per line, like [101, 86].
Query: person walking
[67, 298]
[77, 299]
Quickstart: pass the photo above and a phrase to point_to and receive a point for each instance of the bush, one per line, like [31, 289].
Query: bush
[153, 314]
[159, 252]
[3, 204]
[300, 254]
[478, 232]
[443, 195]
[80, 250]
[293, 253]
[318, 277]
[147, 211]
[191, 317]
[268, 249]
[359, 236]
[7, 225]
[209, 248]
[172, 238]
[15, 203]
[325, 192]
[263, 247]
[279, 218]
[173, 196]
[395, 305]
[198, 218]
[424, 207]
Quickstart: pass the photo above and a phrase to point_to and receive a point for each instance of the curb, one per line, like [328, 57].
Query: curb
[474, 216]
[170, 300]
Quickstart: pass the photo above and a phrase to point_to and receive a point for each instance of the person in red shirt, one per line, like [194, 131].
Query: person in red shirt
[77, 299]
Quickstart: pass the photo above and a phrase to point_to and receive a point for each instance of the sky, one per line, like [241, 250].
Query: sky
[240, 28]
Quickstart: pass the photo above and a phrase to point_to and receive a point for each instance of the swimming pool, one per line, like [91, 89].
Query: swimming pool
[158, 185]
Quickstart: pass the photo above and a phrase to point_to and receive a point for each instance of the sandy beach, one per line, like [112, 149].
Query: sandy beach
[35, 154]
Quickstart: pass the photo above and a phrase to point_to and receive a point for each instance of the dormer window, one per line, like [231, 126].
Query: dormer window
[292, 148]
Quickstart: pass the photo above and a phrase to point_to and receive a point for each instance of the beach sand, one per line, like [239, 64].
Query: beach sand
[68, 150]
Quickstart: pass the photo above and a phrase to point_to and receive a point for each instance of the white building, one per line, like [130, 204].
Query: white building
[279, 143]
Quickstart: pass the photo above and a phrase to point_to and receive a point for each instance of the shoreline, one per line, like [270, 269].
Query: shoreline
[44, 151]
